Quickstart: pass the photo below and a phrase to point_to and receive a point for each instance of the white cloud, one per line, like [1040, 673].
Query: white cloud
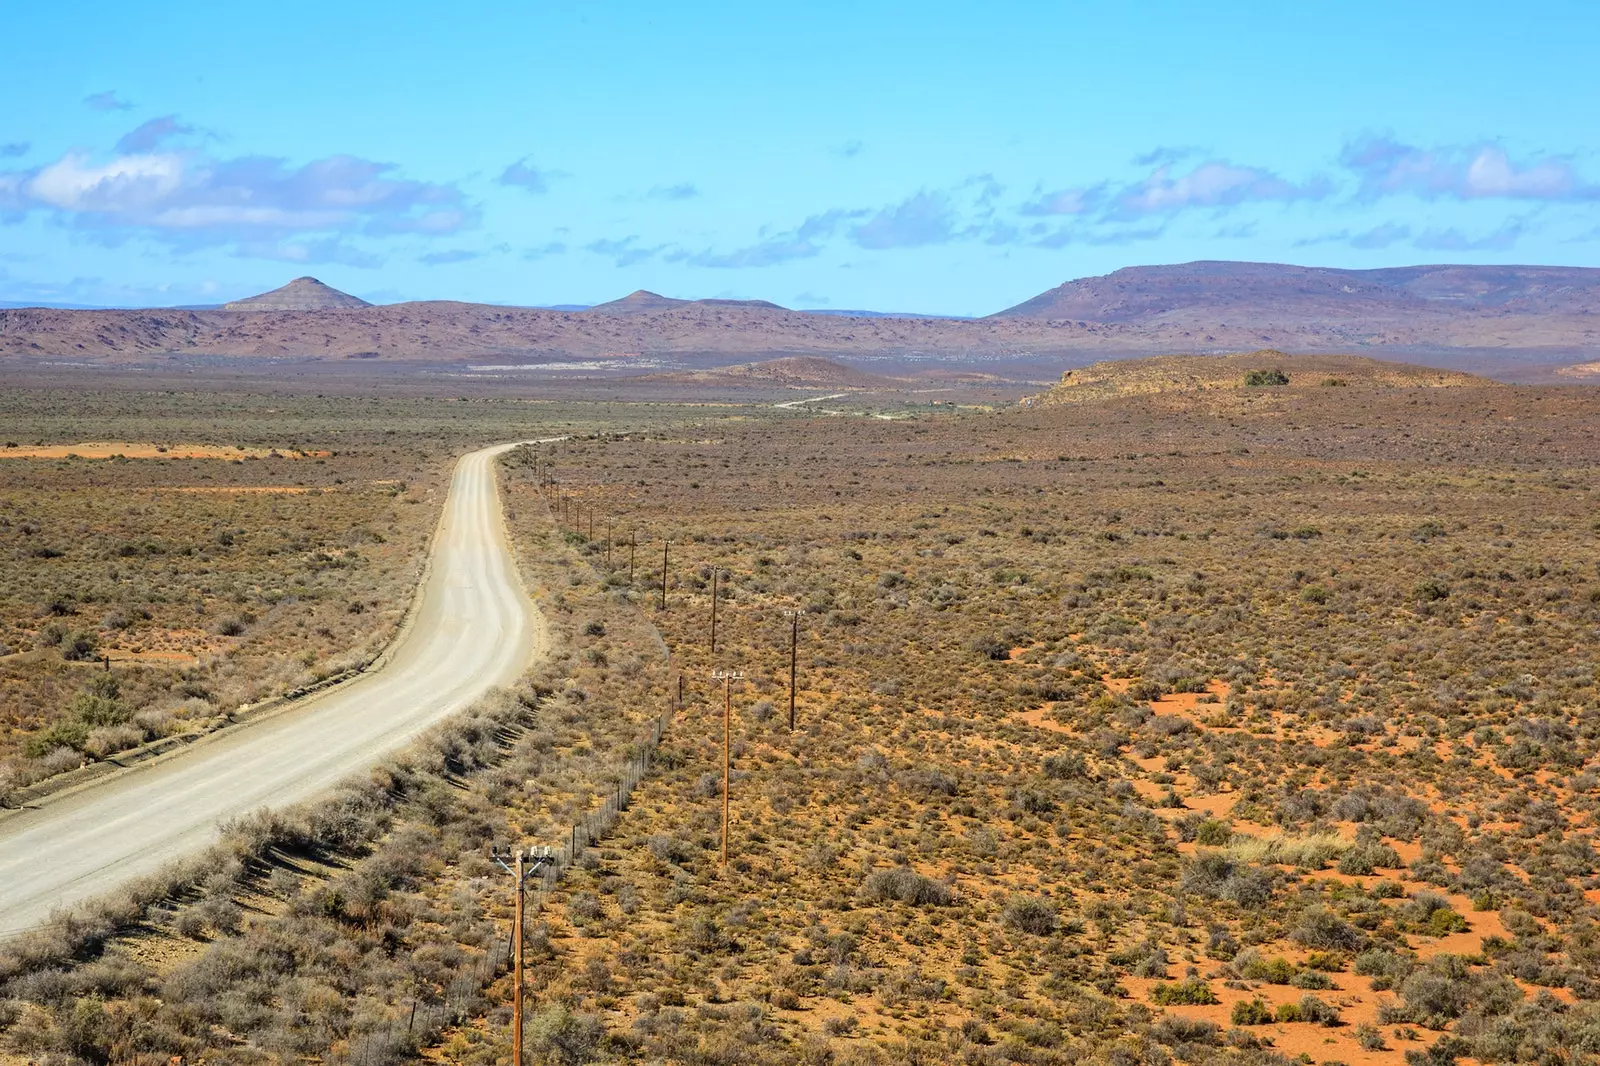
[1387, 167]
[259, 205]
[1211, 184]
[127, 183]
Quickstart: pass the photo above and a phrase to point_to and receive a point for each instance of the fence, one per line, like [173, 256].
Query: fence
[593, 827]
[398, 1040]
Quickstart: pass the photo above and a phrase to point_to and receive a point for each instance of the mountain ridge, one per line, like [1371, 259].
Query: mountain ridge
[1544, 316]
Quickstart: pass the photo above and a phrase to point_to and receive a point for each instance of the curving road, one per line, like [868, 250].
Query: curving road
[473, 628]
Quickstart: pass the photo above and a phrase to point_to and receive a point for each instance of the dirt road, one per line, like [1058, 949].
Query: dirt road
[474, 628]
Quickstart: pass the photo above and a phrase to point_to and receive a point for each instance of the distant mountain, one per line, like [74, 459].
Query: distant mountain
[1278, 295]
[301, 294]
[643, 302]
[1487, 319]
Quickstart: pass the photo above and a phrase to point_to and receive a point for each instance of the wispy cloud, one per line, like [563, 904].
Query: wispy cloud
[14, 149]
[683, 191]
[1166, 155]
[849, 149]
[775, 247]
[625, 252]
[926, 217]
[107, 101]
[1213, 184]
[1078, 201]
[1387, 167]
[151, 134]
[1381, 236]
[544, 250]
[1093, 236]
[453, 255]
[525, 175]
[1453, 240]
[319, 250]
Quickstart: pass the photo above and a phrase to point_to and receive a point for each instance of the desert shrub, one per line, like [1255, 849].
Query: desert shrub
[562, 1037]
[1067, 766]
[1193, 992]
[1309, 852]
[1386, 968]
[1213, 832]
[1318, 1011]
[1175, 1031]
[1366, 858]
[990, 647]
[1029, 914]
[1217, 875]
[1322, 929]
[1431, 590]
[1256, 379]
[1252, 967]
[1251, 1012]
[906, 886]
[670, 849]
[79, 647]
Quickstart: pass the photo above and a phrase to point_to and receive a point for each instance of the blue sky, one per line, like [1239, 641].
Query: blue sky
[953, 158]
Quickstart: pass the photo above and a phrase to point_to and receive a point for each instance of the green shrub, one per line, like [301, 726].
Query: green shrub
[1321, 928]
[1251, 1012]
[1256, 379]
[907, 886]
[1431, 590]
[1275, 971]
[1029, 914]
[1190, 993]
[1318, 1011]
[1213, 832]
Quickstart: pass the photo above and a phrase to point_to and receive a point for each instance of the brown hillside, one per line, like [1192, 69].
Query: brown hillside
[1533, 315]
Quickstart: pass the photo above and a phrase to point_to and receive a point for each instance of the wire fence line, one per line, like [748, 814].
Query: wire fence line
[398, 1040]
[593, 827]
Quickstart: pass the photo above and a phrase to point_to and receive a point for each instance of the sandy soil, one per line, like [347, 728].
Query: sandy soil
[142, 450]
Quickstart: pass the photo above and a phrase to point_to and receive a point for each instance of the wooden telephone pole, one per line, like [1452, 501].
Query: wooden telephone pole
[631, 546]
[519, 874]
[727, 677]
[713, 610]
[794, 661]
[664, 544]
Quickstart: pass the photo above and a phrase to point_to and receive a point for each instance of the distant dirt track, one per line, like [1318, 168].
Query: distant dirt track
[474, 628]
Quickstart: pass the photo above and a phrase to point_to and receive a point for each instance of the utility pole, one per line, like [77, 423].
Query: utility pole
[794, 661]
[519, 874]
[727, 677]
[713, 610]
[664, 544]
[631, 545]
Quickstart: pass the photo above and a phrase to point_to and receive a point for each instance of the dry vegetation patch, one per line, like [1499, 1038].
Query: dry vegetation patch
[1144, 729]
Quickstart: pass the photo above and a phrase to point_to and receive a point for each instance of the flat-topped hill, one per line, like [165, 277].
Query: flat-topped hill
[1266, 370]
